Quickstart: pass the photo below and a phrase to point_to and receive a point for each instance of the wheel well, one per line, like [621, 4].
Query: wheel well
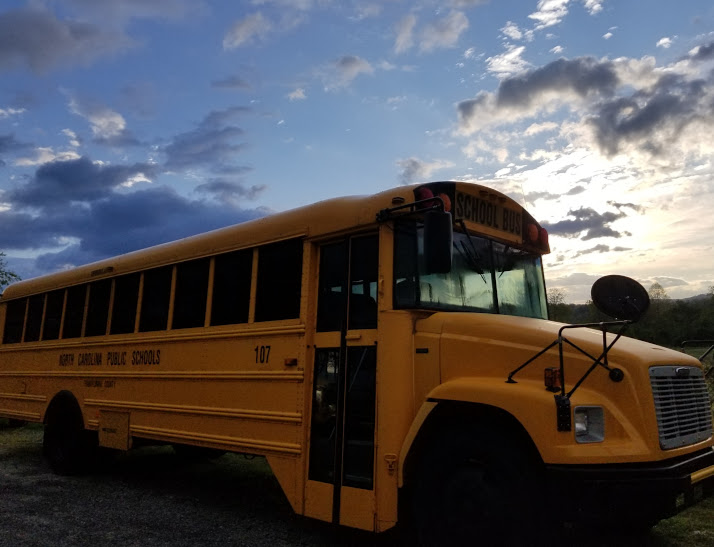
[453, 413]
[64, 408]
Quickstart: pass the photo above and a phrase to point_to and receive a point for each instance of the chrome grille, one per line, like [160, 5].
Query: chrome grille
[684, 414]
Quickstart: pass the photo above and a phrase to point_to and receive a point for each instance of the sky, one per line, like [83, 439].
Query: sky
[125, 124]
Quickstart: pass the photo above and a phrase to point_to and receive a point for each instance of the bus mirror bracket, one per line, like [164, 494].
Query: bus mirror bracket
[614, 295]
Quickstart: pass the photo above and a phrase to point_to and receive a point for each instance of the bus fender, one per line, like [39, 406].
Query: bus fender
[526, 409]
[419, 419]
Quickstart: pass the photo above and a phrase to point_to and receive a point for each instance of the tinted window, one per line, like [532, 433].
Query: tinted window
[53, 315]
[331, 299]
[98, 308]
[191, 294]
[279, 281]
[14, 321]
[126, 296]
[34, 317]
[231, 287]
[155, 299]
[364, 259]
[74, 312]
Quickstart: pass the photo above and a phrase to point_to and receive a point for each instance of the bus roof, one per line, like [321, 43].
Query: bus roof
[323, 217]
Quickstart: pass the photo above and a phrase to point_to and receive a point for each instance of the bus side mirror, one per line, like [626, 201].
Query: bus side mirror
[620, 297]
[438, 242]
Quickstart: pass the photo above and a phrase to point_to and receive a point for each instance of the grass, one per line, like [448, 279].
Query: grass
[693, 527]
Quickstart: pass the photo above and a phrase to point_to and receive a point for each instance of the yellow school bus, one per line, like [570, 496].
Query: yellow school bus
[390, 355]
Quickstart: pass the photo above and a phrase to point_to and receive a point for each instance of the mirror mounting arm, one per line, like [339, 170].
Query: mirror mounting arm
[430, 204]
[562, 399]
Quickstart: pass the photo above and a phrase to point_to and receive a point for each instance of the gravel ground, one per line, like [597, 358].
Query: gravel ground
[150, 497]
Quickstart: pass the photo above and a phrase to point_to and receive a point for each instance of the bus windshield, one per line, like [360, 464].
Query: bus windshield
[486, 276]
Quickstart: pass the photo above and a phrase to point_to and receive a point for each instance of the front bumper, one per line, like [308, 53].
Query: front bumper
[637, 492]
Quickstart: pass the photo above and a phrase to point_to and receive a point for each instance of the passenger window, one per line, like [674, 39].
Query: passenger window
[364, 260]
[53, 315]
[190, 294]
[14, 321]
[231, 287]
[34, 317]
[155, 299]
[126, 297]
[331, 298]
[74, 312]
[279, 281]
[98, 308]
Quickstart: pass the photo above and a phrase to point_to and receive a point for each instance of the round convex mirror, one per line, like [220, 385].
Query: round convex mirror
[620, 297]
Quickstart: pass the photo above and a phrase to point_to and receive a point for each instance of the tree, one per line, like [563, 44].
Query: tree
[6, 276]
[559, 310]
[657, 293]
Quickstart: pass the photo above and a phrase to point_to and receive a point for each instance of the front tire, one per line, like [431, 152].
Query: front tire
[475, 483]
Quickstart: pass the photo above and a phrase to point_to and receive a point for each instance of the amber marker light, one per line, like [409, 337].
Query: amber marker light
[552, 379]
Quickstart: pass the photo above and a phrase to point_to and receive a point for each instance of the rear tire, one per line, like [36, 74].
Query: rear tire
[475, 483]
[68, 448]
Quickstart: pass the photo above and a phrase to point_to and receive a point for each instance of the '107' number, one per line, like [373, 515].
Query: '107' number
[262, 354]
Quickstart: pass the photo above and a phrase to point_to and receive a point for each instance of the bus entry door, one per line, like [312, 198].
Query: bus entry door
[340, 485]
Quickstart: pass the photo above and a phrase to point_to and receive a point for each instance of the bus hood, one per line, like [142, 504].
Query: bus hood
[474, 344]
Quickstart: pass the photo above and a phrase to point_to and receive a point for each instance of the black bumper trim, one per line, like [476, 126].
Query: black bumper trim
[677, 470]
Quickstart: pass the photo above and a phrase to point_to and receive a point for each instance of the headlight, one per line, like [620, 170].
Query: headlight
[589, 424]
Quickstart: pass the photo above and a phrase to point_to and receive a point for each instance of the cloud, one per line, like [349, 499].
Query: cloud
[537, 128]
[124, 10]
[7, 112]
[45, 154]
[601, 249]
[127, 222]
[252, 28]
[405, 33]
[367, 10]
[297, 94]
[416, 170]
[621, 106]
[231, 82]
[532, 197]
[674, 109]
[108, 126]
[702, 52]
[664, 43]
[528, 93]
[60, 183]
[140, 99]
[85, 211]
[574, 279]
[512, 31]
[593, 6]
[507, 63]
[467, 3]
[550, 13]
[230, 191]
[586, 222]
[212, 144]
[557, 50]
[8, 143]
[341, 72]
[443, 33]
[667, 282]
[607, 35]
[39, 40]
